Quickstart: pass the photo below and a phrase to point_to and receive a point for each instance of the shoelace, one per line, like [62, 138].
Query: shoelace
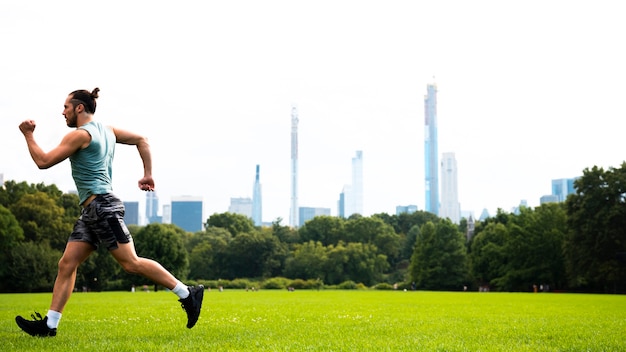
[38, 316]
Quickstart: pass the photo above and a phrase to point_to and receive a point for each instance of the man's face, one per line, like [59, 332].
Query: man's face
[69, 111]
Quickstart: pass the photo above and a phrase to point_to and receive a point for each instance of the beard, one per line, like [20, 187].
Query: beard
[71, 119]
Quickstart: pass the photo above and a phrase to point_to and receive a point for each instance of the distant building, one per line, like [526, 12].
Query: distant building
[450, 207]
[257, 204]
[409, 209]
[549, 198]
[522, 204]
[351, 198]
[306, 214]
[1, 180]
[167, 214]
[470, 228]
[131, 214]
[431, 154]
[152, 207]
[563, 187]
[341, 203]
[484, 215]
[293, 211]
[242, 206]
[187, 213]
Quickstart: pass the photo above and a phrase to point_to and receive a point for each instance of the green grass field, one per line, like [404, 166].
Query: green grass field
[325, 321]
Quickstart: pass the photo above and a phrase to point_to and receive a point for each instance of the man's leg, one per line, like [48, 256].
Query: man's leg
[190, 297]
[75, 253]
[126, 255]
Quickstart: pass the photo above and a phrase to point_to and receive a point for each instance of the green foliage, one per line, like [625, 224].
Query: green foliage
[31, 267]
[234, 223]
[275, 283]
[383, 286]
[579, 246]
[164, 243]
[597, 230]
[307, 261]
[256, 254]
[324, 229]
[439, 261]
[10, 231]
[488, 257]
[42, 219]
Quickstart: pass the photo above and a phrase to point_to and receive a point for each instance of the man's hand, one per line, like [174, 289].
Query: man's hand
[146, 184]
[27, 126]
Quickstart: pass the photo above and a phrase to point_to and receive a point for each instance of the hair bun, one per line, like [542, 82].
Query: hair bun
[94, 93]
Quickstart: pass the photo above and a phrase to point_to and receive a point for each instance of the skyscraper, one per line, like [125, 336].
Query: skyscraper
[431, 161]
[257, 205]
[450, 207]
[293, 214]
[307, 213]
[351, 197]
[152, 207]
[242, 206]
[131, 213]
[563, 187]
[187, 213]
[357, 183]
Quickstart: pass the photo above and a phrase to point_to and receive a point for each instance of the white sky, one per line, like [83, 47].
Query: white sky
[529, 91]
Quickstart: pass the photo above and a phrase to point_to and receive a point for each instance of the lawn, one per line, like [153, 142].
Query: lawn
[326, 320]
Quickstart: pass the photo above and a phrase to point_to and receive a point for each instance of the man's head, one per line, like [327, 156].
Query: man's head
[77, 102]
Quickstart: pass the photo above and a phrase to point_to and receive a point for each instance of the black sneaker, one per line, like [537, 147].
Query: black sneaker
[35, 327]
[192, 304]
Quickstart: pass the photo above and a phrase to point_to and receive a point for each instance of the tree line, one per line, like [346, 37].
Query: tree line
[578, 245]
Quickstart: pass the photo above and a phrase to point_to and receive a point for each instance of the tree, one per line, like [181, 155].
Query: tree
[256, 254]
[200, 261]
[308, 261]
[487, 257]
[439, 261]
[10, 231]
[13, 191]
[42, 219]
[164, 243]
[325, 229]
[31, 267]
[234, 223]
[597, 236]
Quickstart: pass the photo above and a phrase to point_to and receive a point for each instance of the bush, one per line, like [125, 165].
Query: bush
[275, 283]
[347, 285]
[383, 286]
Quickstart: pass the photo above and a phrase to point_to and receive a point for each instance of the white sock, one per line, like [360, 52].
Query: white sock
[53, 319]
[181, 290]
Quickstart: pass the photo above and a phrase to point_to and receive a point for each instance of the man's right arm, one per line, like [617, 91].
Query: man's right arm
[72, 142]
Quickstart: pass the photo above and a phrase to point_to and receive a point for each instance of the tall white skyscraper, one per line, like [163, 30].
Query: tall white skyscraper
[357, 183]
[351, 197]
[293, 213]
[152, 208]
[430, 150]
[450, 207]
[257, 205]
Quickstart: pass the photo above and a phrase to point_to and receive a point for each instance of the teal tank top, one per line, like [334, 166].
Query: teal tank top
[92, 166]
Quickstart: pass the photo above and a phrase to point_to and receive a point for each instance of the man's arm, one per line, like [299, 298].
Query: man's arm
[146, 183]
[72, 142]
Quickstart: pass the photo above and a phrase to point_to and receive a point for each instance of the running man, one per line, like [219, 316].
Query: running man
[90, 148]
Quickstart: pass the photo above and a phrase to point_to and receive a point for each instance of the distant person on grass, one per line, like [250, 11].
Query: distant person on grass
[90, 148]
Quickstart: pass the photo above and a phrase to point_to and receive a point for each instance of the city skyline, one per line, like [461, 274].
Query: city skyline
[519, 105]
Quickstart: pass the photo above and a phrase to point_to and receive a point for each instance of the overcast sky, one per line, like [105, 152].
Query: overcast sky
[529, 91]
